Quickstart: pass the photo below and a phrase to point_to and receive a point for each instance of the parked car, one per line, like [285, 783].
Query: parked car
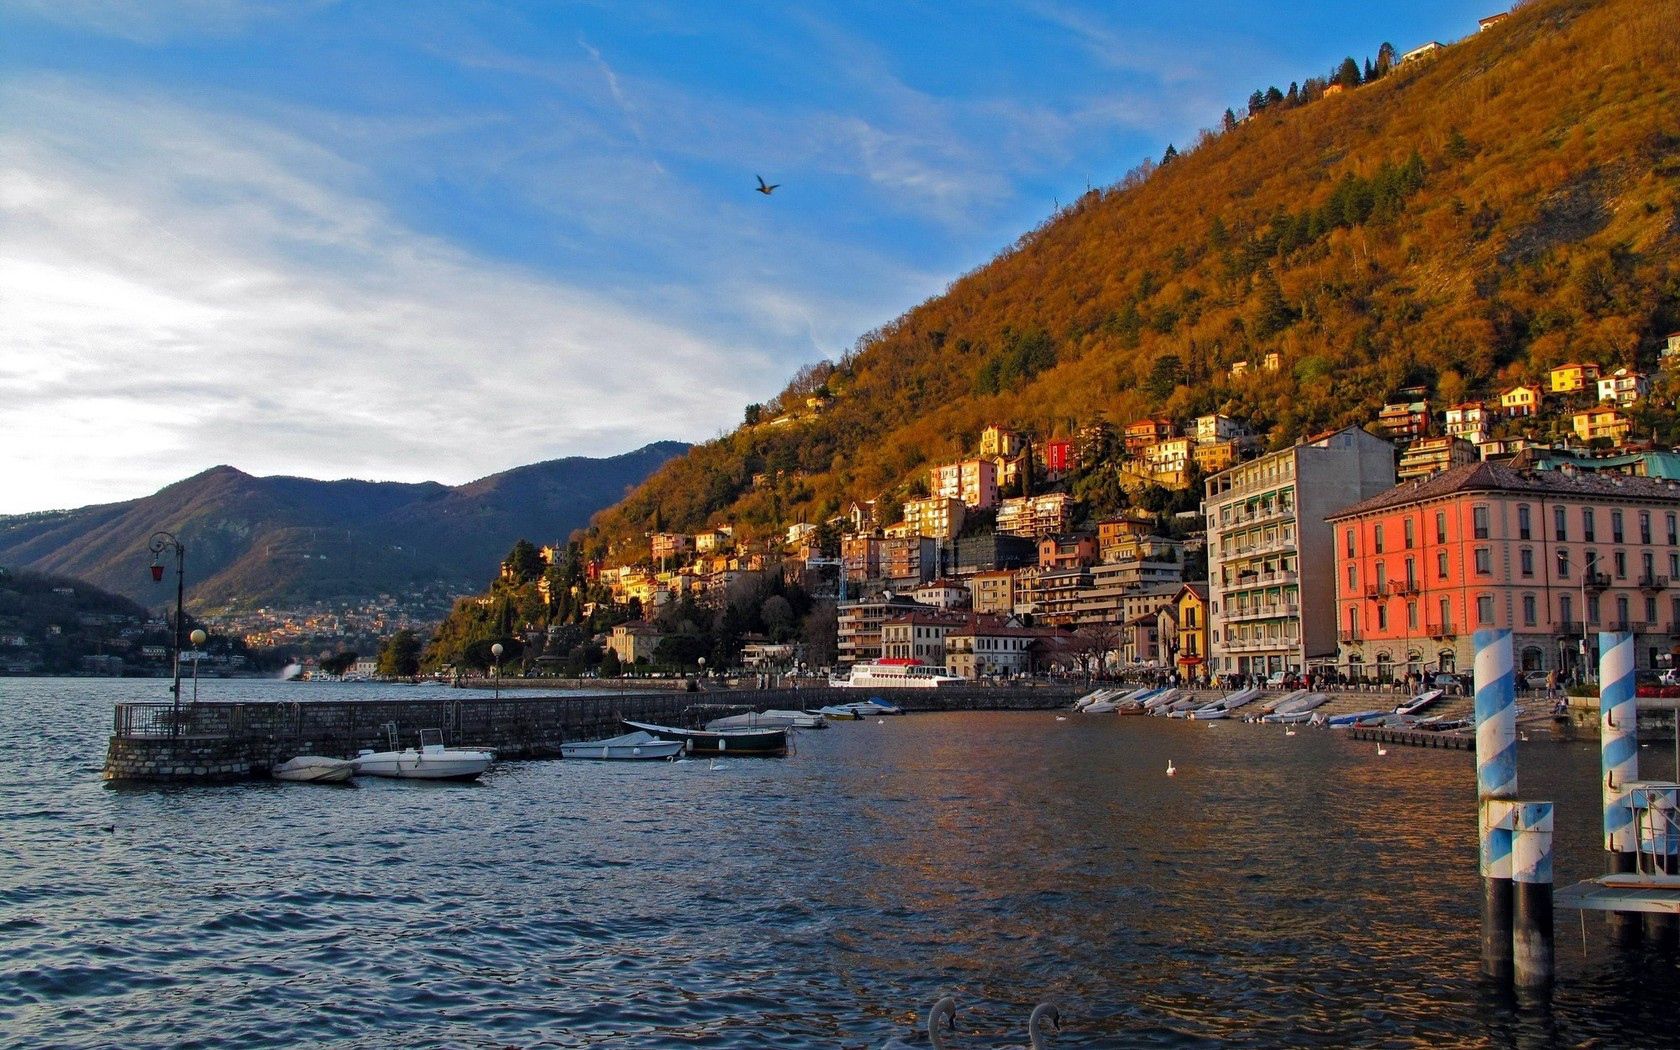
[1535, 679]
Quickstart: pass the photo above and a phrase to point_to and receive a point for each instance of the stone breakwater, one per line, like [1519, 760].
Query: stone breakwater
[230, 741]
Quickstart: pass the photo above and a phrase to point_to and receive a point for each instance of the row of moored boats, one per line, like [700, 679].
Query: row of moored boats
[1291, 708]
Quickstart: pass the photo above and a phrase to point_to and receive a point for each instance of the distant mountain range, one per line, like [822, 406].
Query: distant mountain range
[278, 541]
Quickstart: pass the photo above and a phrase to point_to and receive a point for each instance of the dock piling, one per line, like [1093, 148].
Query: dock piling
[1496, 785]
[1618, 729]
[1531, 875]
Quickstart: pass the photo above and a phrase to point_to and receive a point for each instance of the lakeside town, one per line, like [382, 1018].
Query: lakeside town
[1361, 555]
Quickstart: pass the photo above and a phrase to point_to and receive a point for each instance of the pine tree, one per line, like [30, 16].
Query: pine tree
[1347, 74]
[1169, 155]
[1230, 120]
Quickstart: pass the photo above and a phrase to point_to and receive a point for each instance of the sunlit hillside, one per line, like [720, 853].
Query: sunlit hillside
[1477, 215]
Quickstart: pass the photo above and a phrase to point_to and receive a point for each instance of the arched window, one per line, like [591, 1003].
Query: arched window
[1533, 659]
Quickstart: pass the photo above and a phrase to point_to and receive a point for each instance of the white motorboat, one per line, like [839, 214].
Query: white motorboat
[314, 769]
[430, 761]
[769, 720]
[639, 745]
[1419, 702]
[841, 712]
[1297, 708]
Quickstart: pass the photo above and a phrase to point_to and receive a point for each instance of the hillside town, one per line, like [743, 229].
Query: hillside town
[1366, 554]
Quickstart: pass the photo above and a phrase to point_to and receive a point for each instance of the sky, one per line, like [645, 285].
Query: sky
[434, 241]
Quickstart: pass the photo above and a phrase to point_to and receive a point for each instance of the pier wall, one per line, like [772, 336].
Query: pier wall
[220, 741]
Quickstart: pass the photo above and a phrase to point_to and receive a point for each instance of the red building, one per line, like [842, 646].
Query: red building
[1058, 455]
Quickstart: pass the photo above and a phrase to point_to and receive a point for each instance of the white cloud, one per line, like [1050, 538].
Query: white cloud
[154, 21]
[172, 297]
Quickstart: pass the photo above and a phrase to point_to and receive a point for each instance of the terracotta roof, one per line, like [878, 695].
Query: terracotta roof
[1498, 477]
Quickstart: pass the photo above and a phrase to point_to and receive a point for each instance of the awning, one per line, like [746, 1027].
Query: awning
[1189, 661]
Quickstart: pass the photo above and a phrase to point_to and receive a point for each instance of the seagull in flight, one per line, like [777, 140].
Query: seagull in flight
[762, 188]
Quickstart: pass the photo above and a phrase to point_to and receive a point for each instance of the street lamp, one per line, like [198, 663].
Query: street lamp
[1586, 572]
[160, 542]
[702, 668]
[496, 651]
[198, 639]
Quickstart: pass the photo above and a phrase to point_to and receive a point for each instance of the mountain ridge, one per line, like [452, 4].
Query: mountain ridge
[255, 541]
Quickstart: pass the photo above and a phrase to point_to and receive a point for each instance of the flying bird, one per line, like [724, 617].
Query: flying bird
[762, 188]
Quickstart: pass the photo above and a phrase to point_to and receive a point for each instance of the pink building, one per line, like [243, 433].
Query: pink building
[1554, 556]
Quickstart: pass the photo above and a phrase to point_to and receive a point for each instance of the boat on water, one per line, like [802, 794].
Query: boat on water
[771, 741]
[314, 769]
[770, 720]
[898, 674]
[430, 761]
[1419, 702]
[1223, 707]
[841, 712]
[637, 746]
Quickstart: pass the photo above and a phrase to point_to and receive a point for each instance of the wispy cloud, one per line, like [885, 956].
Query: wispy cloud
[184, 297]
[153, 21]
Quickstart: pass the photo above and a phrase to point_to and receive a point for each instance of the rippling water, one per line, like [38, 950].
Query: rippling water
[1278, 891]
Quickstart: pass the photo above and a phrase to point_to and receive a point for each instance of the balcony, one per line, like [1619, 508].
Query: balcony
[1596, 581]
[1440, 631]
[1570, 628]
[1636, 626]
[1249, 578]
[1653, 583]
[1376, 591]
[1263, 611]
[1406, 587]
[1349, 637]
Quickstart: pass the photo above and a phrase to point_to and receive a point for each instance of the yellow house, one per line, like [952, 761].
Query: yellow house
[1602, 423]
[1572, 379]
[1192, 628]
[1520, 401]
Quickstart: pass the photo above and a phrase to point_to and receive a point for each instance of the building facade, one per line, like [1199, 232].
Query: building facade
[1555, 556]
[1271, 591]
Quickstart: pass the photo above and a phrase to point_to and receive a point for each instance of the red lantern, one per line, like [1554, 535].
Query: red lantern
[157, 573]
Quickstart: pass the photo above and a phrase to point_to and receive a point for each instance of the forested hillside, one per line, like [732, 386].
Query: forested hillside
[1508, 203]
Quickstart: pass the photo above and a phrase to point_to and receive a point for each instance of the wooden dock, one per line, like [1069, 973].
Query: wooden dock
[1453, 741]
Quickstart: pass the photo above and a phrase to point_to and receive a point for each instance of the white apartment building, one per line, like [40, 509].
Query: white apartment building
[1271, 559]
[1046, 515]
[940, 517]
[972, 481]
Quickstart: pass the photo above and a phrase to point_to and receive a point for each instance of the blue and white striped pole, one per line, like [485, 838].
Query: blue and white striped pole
[1531, 874]
[1654, 805]
[1496, 785]
[1618, 736]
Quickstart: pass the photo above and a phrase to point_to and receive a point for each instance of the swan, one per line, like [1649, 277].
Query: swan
[1171, 772]
[945, 1008]
[1381, 750]
[1289, 731]
[1061, 718]
[1035, 1024]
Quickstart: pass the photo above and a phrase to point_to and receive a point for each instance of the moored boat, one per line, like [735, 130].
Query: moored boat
[640, 745]
[1419, 702]
[769, 720]
[1298, 708]
[898, 674]
[1352, 719]
[430, 761]
[841, 712]
[1223, 707]
[314, 769]
[772, 741]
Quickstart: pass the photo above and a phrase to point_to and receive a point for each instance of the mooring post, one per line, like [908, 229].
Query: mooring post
[1531, 874]
[1496, 785]
[1618, 736]
[1654, 805]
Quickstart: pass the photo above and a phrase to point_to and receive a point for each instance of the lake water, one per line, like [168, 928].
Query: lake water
[1280, 891]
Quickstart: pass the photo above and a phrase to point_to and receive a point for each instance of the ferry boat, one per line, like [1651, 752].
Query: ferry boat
[898, 674]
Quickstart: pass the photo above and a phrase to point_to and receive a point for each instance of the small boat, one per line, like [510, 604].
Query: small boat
[1223, 707]
[1419, 702]
[882, 707]
[1298, 708]
[314, 769]
[1345, 721]
[430, 761]
[841, 712]
[629, 747]
[720, 741]
[769, 720]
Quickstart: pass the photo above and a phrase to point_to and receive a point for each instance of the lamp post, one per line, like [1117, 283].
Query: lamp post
[702, 670]
[496, 651]
[1586, 572]
[198, 639]
[160, 542]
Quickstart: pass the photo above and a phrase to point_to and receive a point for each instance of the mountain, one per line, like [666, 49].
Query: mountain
[282, 540]
[1470, 218]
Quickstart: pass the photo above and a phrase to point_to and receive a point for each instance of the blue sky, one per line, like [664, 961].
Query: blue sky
[433, 241]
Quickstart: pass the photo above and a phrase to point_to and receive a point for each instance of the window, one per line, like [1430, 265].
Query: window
[1615, 526]
[1560, 525]
[1479, 522]
[1621, 612]
[1529, 612]
[1644, 526]
[1648, 564]
[1411, 572]
[1411, 530]
[1382, 617]
[1484, 561]
[1411, 615]
[1376, 538]
[1440, 565]
[1673, 534]
[1484, 609]
[1524, 529]
[1446, 612]
[1353, 579]
[1650, 611]
[1382, 576]
[1621, 565]
[1674, 611]
[1589, 526]
[1563, 565]
[1566, 608]
[1440, 526]
[1353, 619]
[1350, 543]
[1592, 608]
[1525, 561]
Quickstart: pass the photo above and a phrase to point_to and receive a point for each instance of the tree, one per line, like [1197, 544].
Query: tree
[1274, 97]
[524, 563]
[754, 413]
[1256, 103]
[1385, 58]
[338, 663]
[610, 665]
[1347, 74]
[1169, 155]
[1229, 121]
[820, 633]
[399, 656]
[777, 616]
[1164, 376]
